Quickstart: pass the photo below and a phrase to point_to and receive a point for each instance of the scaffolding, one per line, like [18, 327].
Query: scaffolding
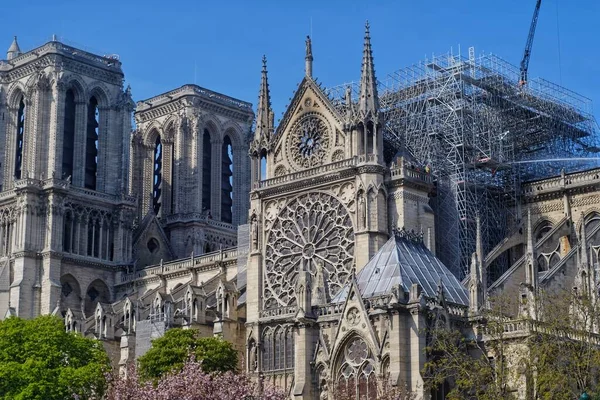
[481, 134]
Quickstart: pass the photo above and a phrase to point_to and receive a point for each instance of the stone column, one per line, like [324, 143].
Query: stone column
[78, 178]
[215, 203]
[304, 347]
[56, 131]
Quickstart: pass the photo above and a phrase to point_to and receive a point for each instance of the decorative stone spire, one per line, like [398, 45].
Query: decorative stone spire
[368, 99]
[583, 279]
[531, 273]
[309, 58]
[13, 50]
[478, 277]
[263, 114]
[480, 265]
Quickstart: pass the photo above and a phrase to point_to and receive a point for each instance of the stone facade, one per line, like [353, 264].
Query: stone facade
[305, 245]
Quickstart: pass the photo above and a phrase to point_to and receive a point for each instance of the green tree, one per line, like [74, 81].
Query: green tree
[170, 352]
[554, 357]
[40, 360]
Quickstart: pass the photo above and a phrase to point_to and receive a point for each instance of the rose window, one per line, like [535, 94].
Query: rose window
[309, 141]
[357, 351]
[313, 230]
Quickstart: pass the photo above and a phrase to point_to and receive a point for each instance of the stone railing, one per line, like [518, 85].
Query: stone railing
[403, 172]
[278, 312]
[181, 265]
[174, 218]
[523, 327]
[202, 92]
[110, 62]
[330, 309]
[569, 181]
[350, 162]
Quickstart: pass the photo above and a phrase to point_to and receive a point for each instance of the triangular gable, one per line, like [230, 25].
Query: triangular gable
[322, 353]
[307, 84]
[354, 321]
[150, 228]
[309, 99]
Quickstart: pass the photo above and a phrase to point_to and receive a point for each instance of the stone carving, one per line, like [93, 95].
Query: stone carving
[309, 141]
[313, 227]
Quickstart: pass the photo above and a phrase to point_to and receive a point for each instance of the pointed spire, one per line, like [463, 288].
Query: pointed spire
[13, 50]
[263, 115]
[531, 275]
[369, 100]
[583, 245]
[308, 58]
[482, 271]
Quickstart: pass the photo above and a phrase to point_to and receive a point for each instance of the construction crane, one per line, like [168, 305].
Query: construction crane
[527, 53]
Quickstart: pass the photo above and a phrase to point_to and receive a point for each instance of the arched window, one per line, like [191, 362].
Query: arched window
[21, 114]
[206, 170]
[356, 376]
[369, 138]
[227, 181]
[157, 179]
[267, 364]
[68, 135]
[68, 232]
[91, 144]
[263, 165]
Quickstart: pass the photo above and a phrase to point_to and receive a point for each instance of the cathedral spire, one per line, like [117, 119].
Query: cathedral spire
[263, 115]
[13, 50]
[308, 58]
[531, 275]
[368, 99]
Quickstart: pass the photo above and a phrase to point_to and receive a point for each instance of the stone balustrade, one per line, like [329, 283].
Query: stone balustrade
[180, 265]
[569, 181]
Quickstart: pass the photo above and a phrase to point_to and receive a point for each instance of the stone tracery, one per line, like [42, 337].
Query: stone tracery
[309, 141]
[313, 228]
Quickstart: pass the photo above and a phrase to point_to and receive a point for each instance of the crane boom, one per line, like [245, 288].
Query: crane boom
[529, 44]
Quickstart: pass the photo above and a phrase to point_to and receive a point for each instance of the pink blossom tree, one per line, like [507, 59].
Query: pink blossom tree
[190, 383]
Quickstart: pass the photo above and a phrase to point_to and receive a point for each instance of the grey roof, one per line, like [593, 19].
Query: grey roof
[404, 261]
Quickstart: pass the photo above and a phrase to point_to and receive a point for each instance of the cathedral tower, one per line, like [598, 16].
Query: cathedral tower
[190, 170]
[64, 211]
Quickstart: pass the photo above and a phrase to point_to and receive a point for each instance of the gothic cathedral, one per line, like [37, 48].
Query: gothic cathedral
[308, 245]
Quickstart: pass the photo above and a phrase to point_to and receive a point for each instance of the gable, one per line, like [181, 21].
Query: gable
[151, 244]
[310, 133]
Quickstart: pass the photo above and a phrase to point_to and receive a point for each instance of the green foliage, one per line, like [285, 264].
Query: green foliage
[554, 357]
[169, 353]
[39, 360]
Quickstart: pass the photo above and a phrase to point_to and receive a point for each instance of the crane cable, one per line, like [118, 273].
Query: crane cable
[558, 45]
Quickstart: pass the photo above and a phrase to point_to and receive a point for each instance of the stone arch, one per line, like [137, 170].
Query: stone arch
[150, 133]
[100, 92]
[354, 367]
[70, 296]
[96, 292]
[76, 84]
[14, 94]
[234, 131]
[541, 228]
[211, 123]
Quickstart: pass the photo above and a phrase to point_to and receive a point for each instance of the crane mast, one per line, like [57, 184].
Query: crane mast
[529, 44]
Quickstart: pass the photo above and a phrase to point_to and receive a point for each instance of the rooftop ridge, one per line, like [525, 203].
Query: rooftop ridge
[188, 89]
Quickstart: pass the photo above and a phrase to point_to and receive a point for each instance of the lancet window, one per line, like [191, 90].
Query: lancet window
[157, 178]
[91, 144]
[206, 170]
[278, 349]
[227, 181]
[21, 114]
[356, 377]
[68, 135]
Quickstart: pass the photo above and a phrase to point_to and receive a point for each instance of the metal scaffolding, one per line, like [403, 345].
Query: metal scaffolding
[481, 135]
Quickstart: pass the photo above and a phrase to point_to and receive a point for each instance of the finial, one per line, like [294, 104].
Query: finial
[367, 26]
[309, 58]
[264, 61]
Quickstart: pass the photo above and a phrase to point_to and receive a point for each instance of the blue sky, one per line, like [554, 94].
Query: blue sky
[220, 43]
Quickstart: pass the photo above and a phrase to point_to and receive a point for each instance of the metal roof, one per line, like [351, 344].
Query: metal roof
[403, 261]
